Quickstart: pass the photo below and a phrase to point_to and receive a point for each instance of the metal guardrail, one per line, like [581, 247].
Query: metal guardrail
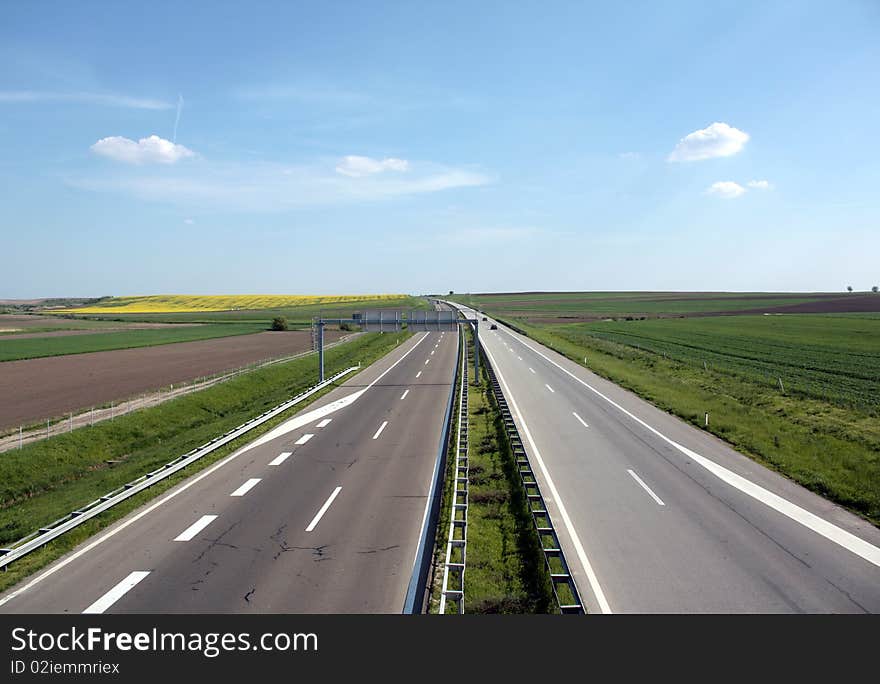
[416, 591]
[557, 566]
[456, 544]
[55, 529]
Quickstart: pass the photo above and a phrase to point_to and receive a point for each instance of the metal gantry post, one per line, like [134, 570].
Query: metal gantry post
[320, 350]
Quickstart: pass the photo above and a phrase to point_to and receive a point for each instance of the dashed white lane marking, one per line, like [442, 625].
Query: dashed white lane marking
[427, 361]
[403, 396]
[324, 423]
[646, 487]
[320, 513]
[280, 458]
[418, 374]
[116, 593]
[246, 487]
[379, 431]
[549, 388]
[519, 357]
[532, 369]
[811, 521]
[302, 440]
[432, 352]
[195, 528]
[583, 422]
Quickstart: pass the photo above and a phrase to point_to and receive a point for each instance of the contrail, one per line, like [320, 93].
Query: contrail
[177, 118]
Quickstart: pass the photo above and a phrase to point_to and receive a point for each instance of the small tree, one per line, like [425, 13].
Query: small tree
[279, 323]
[450, 293]
[849, 288]
[875, 289]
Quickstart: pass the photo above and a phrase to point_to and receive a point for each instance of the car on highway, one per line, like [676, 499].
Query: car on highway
[484, 318]
[493, 327]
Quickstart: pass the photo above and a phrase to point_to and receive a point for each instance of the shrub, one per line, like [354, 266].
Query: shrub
[279, 323]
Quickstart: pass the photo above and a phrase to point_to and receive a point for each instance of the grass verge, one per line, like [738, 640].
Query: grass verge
[48, 479]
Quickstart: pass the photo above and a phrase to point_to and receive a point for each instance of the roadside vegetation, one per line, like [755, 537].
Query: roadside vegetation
[12, 349]
[505, 570]
[800, 394]
[46, 480]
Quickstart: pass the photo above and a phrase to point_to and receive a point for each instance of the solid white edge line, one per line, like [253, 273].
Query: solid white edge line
[305, 438]
[811, 521]
[646, 487]
[323, 510]
[379, 431]
[575, 539]
[246, 487]
[280, 458]
[196, 478]
[116, 593]
[195, 528]
[583, 422]
[403, 396]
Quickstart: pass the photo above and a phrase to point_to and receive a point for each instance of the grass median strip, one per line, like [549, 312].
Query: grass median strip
[48, 479]
[506, 572]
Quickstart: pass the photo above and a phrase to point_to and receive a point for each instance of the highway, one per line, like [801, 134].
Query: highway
[657, 516]
[323, 514]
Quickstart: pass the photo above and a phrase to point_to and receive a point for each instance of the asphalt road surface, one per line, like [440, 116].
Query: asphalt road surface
[323, 514]
[657, 516]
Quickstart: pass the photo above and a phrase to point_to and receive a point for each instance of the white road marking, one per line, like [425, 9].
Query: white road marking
[302, 440]
[418, 374]
[116, 593]
[195, 528]
[246, 487]
[297, 422]
[583, 422]
[293, 424]
[432, 352]
[427, 361]
[403, 396]
[280, 458]
[519, 357]
[578, 547]
[379, 431]
[320, 513]
[324, 423]
[532, 369]
[549, 388]
[646, 487]
[811, 521]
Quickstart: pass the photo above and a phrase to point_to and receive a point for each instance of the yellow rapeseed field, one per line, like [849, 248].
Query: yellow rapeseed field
[197, 303]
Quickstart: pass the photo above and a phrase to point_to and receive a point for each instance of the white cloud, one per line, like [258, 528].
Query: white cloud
[716, 140]
[189, 221]
[759, 184]
[107, 100]
[355, 166]
[262, 187]
[726, 189]
[152, 150]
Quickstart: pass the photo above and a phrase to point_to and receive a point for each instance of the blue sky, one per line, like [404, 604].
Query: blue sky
[422, 147]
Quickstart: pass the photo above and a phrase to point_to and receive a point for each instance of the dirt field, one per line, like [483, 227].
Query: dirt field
[36, 389]
[72, 326]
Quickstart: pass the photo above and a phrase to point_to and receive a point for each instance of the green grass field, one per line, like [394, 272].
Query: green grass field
[47, 479]
[620, 304]
[12, 349]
